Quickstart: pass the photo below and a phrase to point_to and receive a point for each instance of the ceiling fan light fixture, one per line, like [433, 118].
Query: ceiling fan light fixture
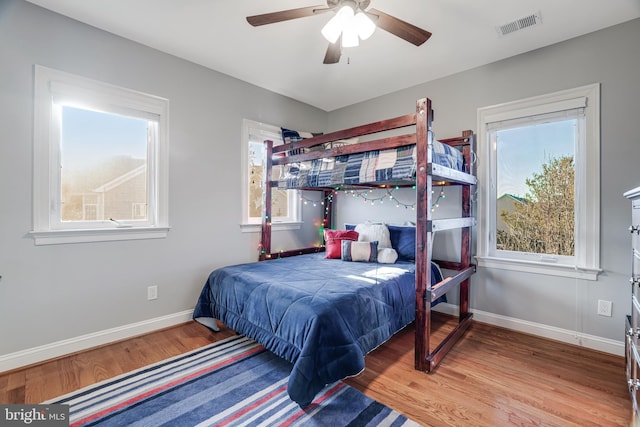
[350, 37]
[332, 29]
[342, 20]
[364, 25]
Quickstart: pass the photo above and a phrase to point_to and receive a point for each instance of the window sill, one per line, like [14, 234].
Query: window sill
[275, 226]
[57, 237]
[550, 269]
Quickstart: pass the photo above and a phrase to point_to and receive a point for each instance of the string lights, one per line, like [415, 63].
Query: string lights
[368, 196]
[371, 197]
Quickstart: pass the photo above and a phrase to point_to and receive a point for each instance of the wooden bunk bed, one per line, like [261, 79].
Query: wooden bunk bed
[427, 173]
[324, 315]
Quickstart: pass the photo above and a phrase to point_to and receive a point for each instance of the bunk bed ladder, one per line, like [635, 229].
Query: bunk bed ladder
[425, 358]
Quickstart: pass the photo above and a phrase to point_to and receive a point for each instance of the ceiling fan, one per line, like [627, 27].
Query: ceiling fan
[351, 22]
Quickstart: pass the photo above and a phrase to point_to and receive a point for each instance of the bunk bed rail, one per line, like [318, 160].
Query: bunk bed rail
[345, 134]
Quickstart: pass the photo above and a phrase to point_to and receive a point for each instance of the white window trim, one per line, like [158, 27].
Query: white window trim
[114, 99]
[247, 226]
[587, 257]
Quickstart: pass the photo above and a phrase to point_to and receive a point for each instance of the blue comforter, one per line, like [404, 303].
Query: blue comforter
[322, 315]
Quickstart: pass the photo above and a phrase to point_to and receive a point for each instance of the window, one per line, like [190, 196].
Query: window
[285, 208]
[100, 161]
[539, 190]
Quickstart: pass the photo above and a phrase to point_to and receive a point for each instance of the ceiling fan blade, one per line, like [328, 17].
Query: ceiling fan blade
[285, 15]
[399, 28]
[334, 51]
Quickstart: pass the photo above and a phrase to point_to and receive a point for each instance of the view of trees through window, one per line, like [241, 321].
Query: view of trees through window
[536, 180]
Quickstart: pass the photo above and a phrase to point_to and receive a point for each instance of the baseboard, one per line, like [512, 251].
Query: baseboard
[50, 351]
[61, 348]
[558, 334]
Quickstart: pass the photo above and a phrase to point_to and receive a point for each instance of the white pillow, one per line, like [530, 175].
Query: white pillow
[374, 232]
[387, 256]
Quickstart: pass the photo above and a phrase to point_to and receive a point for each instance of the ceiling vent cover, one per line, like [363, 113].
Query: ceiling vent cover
[519, 24]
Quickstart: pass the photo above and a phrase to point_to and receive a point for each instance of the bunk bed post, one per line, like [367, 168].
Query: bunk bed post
[465, 245]
[424, 117]
[265, 245]
[327, 219]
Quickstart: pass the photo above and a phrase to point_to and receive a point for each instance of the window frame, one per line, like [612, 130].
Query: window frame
[247, 225]
[53, 87]
[586, 262]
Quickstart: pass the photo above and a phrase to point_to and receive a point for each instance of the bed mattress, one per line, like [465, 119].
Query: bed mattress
[323, 315]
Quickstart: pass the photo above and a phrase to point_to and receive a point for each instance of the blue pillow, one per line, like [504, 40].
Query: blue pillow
[403, 240]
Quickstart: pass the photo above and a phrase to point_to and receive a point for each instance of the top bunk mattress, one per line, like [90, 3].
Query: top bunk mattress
[396, 164]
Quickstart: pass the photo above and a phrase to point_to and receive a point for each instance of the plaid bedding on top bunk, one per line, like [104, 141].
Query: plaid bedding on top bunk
[372, 166]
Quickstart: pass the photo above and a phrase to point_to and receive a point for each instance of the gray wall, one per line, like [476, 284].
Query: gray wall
[53, 293]
[610, 57]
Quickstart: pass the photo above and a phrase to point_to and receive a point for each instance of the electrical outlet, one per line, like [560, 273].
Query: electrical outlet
[604, 308]
[152, 292]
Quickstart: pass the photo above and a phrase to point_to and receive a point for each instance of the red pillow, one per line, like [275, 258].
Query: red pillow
[333, 241]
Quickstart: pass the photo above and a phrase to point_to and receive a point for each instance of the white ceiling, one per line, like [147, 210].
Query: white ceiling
[287, 57]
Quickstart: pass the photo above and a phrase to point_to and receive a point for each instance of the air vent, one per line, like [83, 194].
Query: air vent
[519, 24]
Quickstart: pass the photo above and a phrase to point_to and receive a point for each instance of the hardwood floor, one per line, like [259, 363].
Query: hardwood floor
[491, 377]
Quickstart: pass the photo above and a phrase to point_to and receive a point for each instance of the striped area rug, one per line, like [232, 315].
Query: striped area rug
[234, 382]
